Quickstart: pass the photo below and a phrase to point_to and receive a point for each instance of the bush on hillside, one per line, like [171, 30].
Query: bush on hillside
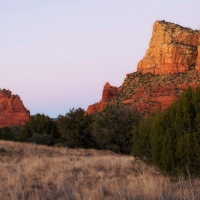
[141, 140]
[75, 128]
[38, 128]
[11, 133]
[42, 139]
[112, 128]
[6, 133]
[172, 139]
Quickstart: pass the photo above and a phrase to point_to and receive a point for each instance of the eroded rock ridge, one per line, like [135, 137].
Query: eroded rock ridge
[12, 110]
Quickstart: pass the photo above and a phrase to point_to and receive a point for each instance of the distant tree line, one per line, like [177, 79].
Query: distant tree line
[110, 129]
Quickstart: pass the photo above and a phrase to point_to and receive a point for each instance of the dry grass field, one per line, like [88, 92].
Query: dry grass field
[47, 173]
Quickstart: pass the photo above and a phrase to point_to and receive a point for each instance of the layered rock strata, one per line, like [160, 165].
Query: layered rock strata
[12, 110]
[172, 49]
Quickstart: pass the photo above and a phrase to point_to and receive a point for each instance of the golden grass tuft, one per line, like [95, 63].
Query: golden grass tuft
[47, 173]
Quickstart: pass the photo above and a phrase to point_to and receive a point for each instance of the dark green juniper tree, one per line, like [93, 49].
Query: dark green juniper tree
[141, 145]
[173, 138]
[6, 133]
[112, 128]
[40, 129]
[75, 128]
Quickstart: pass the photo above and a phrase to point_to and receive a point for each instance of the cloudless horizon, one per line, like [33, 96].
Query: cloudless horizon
[57, 55]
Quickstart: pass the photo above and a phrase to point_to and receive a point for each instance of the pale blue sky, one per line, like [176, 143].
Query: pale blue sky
[58, 54]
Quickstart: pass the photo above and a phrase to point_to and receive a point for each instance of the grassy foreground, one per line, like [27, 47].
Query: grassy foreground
[46, 173]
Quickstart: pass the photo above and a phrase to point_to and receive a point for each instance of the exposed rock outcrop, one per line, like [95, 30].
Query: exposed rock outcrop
[171, 64]
[198, 59]
[12, 110]
[149, 92]
[109, 92]
[172, 49]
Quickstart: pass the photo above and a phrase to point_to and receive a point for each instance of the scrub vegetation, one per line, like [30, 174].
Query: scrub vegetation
[35, 172]
[171, 139]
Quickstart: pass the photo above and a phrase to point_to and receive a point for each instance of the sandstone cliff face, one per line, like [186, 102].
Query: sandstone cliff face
[198, 56]
[12, 110]
[172, 49]
[171, 64]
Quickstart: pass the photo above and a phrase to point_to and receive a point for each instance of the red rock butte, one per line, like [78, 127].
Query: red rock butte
[12, 110]
[170, 65]
[172, 49]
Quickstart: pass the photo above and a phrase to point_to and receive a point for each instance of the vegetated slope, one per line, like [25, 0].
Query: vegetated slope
[171, 139]
[39, 172]
[12, 110]
[170, 65]
[150, 92]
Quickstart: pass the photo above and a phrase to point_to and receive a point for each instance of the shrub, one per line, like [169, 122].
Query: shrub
[172, 138]
[42, 139]
[6, 134]
[75, 128]
[58, 145]
[112, 128]
[38, 128]
[141, 140]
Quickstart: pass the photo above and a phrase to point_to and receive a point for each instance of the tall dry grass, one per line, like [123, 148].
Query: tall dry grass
[44, 173]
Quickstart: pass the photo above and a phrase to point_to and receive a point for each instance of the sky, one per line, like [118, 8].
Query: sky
[58, 54]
